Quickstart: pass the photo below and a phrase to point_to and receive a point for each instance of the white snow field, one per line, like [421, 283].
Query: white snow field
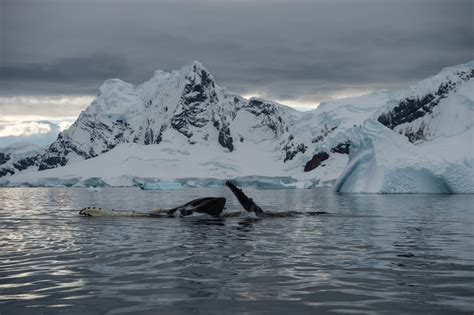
[180, 129]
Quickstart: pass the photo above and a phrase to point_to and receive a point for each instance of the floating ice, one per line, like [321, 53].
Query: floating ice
[161, 186]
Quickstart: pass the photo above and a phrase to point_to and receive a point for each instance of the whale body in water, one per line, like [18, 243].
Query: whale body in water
[212, 206]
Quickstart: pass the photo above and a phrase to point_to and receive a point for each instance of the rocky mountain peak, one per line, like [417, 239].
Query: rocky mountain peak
[185, 102]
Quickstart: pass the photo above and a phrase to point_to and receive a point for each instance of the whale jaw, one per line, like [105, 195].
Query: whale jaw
[212, 206]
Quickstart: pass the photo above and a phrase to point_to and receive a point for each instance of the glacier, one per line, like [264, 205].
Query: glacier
[382, 161]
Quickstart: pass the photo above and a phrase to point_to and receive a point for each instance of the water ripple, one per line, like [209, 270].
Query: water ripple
[370, 254]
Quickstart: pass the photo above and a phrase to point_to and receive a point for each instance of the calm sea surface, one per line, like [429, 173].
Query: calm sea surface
[369, 254]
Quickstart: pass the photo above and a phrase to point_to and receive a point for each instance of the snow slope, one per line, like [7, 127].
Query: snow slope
[167, 161]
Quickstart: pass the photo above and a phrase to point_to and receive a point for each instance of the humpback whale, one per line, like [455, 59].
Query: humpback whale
[212, 206]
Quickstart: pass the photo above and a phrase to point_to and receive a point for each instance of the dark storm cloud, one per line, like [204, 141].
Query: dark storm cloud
[99, 65]
[288, 50]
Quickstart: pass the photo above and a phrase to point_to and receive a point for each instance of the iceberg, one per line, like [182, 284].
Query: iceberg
[161, 186]
[382, 161]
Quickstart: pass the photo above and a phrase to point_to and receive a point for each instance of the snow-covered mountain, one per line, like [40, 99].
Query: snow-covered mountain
[19, 157]
[181, 105]
[182, 125]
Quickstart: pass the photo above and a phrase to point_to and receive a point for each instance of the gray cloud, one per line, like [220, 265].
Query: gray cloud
[78, 69]
[291, 50]
[73, 75]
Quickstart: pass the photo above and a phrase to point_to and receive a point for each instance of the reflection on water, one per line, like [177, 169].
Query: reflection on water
[370, 254]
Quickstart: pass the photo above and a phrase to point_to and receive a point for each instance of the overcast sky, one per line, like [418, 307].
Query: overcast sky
[56, 53]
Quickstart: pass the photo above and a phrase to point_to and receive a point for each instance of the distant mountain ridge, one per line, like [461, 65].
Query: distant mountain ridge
[181, 124]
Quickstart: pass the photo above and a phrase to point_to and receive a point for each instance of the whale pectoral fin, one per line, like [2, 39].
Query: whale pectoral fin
[246, 202]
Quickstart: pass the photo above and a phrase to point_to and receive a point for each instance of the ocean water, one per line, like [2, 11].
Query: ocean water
[379, 254]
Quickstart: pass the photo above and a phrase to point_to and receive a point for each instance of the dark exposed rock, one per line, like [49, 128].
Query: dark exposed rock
[119, 137]
[26, 162]
[110, 146]
[409, 110]
[272, 117]
[416, 135]
[198, 91]
[4, 158]
[181, 125]
[291, 151]
[413, 108]
[148, 136]
[225, 139]
[325, 131]
[52, 162]
[6, 171]
[159, 137]
[57, 152]
[317, 139]
[342, 148]
[316, 161]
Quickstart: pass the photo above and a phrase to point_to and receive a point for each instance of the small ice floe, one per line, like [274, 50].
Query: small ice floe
[161, 185]
[94, 189]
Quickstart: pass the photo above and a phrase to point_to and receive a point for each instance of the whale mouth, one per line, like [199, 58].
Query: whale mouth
[84, 212]
[212, 206]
